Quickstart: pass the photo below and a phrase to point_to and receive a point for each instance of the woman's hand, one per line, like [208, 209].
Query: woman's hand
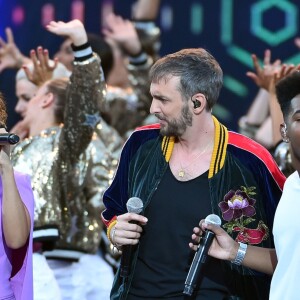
[122, 33]
[10, 55]
[73, 30]
[42, 66]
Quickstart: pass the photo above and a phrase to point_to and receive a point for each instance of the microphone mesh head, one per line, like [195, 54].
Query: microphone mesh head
[213, 219]
[134, 205]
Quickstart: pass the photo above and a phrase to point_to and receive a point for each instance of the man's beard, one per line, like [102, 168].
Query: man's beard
[177, 127]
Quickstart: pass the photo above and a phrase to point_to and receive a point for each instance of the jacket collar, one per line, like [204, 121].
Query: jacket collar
[219, 151]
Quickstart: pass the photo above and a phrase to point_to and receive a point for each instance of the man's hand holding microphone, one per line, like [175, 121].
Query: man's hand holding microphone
[126, 232]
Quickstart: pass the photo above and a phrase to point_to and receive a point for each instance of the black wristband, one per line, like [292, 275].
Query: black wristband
[80, 47]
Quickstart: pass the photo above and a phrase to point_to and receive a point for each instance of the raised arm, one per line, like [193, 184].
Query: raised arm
[129, 110]
[145, 9]
[123, 33]
[264, 78]
[15, 217]
[85, 91]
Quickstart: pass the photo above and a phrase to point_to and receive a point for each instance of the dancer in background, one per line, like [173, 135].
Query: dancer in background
[70, 169]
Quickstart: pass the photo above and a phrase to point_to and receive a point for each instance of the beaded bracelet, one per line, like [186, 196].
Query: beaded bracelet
[240, 255]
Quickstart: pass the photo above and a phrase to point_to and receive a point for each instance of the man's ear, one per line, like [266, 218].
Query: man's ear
[283, 131]
[199, 102]
[47, 100]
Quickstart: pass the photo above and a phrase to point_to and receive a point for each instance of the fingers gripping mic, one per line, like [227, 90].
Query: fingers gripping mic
[8, 138]
[134, 205]
[200, 256]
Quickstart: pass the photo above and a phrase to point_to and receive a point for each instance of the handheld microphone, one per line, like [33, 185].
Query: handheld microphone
[8, 138]
[200, 256]
[134, 205]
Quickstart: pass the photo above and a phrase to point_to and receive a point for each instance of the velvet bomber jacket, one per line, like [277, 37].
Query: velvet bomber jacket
[240, 168]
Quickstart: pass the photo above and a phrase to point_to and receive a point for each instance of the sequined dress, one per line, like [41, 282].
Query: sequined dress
[70, 167]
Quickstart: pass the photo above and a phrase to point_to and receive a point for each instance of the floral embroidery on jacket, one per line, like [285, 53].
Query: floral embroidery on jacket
[238, 209]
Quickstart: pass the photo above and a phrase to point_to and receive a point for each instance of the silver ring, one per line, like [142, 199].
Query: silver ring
[113, 238]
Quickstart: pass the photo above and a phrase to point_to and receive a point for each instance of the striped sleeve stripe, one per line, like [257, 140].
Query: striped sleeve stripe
[219, 151]
[260, 152]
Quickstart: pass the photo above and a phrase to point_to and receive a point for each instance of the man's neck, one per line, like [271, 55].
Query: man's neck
[198, 136]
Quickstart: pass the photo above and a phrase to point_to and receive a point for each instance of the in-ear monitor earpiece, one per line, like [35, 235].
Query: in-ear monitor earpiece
[197, 103]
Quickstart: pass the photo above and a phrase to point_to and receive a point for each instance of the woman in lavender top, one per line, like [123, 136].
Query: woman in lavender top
[16, 217]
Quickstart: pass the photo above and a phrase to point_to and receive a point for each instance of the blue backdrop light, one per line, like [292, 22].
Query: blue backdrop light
[230, 29]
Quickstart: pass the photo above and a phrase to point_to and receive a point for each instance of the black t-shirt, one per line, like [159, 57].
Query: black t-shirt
[164, 256]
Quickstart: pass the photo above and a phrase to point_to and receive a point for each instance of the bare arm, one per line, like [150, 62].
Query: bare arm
[259, 108]
[16, 220]
[264, 78]
[260, 259]
[145, 9]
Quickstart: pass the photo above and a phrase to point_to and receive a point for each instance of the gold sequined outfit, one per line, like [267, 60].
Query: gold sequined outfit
[69, 165]
[127, 108]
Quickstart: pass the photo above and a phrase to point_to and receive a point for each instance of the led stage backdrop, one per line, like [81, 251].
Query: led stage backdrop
[230, 29]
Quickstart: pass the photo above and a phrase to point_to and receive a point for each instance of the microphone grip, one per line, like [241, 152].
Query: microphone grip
[126, 258]
[8, 138]
[198, 263]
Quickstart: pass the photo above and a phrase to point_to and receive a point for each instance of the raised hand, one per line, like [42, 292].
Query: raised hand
[73, 30]
[43, 67]
[123, 33]
[10, 55]
[264, 74]
[283, 71]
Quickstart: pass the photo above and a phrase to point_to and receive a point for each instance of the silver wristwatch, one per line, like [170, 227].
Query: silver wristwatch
[240, 255]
